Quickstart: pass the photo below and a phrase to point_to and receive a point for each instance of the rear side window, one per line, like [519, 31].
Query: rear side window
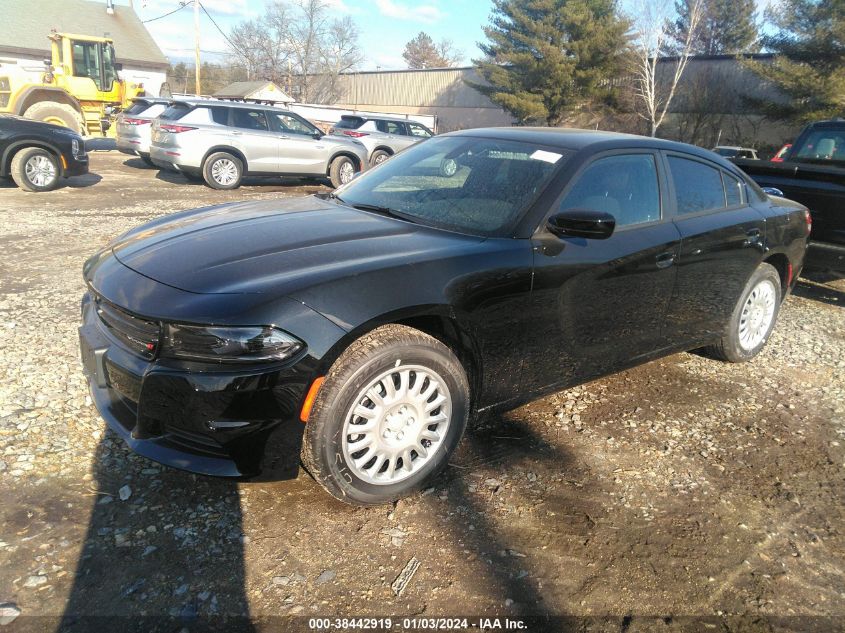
[698, 187]
[391, 127]
[199, 115]
[175, 112]
[250, 119]
[349, 123]
[624, 186]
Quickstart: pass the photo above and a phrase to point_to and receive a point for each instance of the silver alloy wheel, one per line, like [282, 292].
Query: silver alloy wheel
[40, 170]
[381, 158]
[757, 315]
[224, 172]
[347, 171]
[396, 424]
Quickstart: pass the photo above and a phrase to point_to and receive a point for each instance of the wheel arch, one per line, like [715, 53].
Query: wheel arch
[36, 94]
[781, 263]
[440, 322]
[349, 155]
[14, 148]
[384, 148]
[229, 150]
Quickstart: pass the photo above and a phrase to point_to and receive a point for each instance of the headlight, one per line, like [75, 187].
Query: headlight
[74, 146]
[228, 344]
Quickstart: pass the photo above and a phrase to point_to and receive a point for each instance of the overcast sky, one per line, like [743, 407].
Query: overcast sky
[385, 25]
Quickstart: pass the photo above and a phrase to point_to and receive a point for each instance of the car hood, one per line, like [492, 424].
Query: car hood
[276, 246]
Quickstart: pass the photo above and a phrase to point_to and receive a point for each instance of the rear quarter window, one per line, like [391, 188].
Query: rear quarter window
[154, 110]
[137, 107]
[200, 115]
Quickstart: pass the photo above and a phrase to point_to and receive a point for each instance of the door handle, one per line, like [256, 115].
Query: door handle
[235, 133]
[664, 260]
[284, 136]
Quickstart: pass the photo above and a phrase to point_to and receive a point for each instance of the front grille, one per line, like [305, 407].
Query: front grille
[135, 334]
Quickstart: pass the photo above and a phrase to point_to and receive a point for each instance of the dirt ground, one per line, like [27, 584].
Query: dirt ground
[685, 494]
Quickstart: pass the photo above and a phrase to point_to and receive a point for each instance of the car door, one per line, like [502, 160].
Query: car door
[300, 152]
[601, 304]
[253, 136]
[397, 132]
[722, 241]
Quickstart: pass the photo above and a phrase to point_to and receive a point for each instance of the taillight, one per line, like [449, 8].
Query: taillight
[129, 121]
[175, 129]
[809, 220]
[355, 134]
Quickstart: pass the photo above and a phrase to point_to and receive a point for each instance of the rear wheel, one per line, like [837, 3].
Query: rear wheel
[378, 157]
[55, 113]
[342, 170]
[753, 318]
[222, 171]
[35, 169]
[388, 416]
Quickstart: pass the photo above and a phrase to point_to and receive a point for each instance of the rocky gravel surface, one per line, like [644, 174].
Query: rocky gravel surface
[682, 489]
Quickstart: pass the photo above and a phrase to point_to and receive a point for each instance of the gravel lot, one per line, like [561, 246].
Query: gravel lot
[685, 487]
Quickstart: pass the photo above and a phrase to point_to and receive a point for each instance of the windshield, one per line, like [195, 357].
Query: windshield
[822, 145]
[726, 151]
[471, 185]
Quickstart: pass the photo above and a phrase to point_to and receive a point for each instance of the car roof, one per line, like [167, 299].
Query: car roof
[838, 122]
[576, 139]
[151, 100]
[227, 104]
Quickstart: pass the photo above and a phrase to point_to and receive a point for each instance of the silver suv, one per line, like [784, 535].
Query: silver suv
[222, 142]
[382, 136]
[135, 123]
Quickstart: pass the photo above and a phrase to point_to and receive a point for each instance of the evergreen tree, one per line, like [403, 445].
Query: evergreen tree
[727, 27]
[809, 67]
[547, 58]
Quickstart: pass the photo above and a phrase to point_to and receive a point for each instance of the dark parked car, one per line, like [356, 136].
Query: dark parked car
[477, 270]
[813, 173]
[36, 155]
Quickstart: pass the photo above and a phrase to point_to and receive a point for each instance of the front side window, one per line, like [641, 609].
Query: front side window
[625, 186]
[698, 187]
[419, 130]
[292, 125]
[250, 119]
[471, 185]
[86, 62]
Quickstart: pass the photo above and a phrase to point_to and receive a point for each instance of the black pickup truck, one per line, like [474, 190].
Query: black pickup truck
[813, 173]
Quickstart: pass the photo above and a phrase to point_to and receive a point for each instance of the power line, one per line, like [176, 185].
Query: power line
[217, 26]
[182, 6]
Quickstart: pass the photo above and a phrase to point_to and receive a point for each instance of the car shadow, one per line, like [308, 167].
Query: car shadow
[272, 183]
[819, 292]
[80, 182]
[137, 163]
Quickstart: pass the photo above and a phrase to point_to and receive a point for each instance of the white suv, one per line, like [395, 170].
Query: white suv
[221, 142]
[382, 137]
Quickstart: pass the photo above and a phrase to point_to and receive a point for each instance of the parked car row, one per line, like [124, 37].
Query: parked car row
[220, 142]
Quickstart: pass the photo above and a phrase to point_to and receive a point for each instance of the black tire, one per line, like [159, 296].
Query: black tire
[57, 113]
[147, 160]
[227, 164]
[363, 362]
[378, 157]
[338, 172]
[731, 348]
[26, 157]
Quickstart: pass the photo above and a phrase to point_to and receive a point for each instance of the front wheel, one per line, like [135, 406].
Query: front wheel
[388, 416]
[753, 318]
[35, 169]
[222, 171]
[341, 171]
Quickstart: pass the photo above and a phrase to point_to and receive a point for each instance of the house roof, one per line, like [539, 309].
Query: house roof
[25, 26]
[246, 90]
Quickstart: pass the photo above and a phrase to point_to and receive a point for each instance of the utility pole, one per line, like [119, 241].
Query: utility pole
[197, 44]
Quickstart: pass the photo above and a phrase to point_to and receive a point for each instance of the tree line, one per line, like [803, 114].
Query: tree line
[545, 61]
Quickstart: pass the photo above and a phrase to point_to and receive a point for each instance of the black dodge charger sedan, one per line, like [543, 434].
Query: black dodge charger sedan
[477, 270]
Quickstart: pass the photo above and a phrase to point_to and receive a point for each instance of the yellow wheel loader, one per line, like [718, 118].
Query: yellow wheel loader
[78, 87]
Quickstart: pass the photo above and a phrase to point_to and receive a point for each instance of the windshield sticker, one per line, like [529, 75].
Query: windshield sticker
[549, 157]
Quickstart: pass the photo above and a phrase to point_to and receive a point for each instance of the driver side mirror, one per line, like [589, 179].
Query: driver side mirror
[317, 135]
[587, 223]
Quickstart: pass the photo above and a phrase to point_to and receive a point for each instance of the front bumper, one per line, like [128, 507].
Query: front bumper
[230, 423]
[76, 166]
